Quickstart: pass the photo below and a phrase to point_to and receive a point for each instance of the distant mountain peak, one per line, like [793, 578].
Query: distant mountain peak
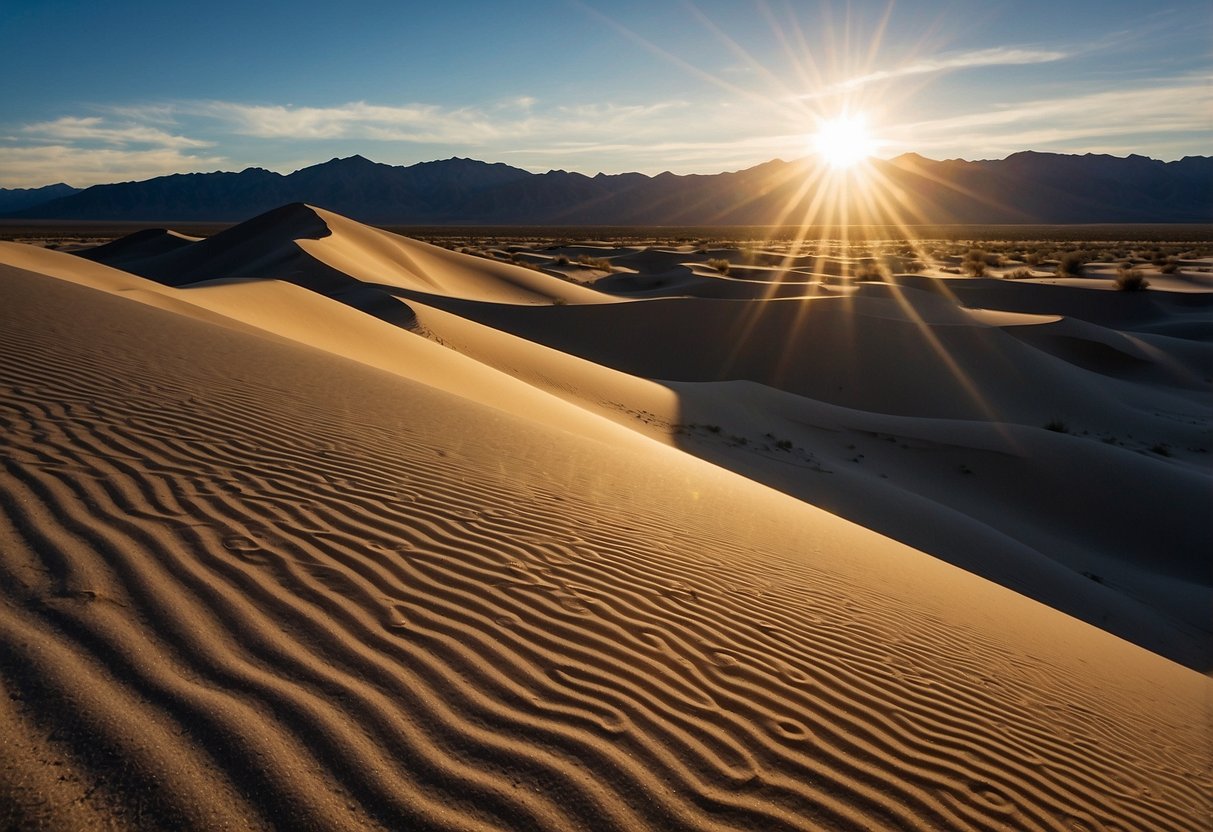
[355, 161]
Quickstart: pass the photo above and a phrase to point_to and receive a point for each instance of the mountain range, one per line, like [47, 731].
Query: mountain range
[1026, 187]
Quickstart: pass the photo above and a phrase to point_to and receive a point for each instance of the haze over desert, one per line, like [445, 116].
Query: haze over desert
[800, 419]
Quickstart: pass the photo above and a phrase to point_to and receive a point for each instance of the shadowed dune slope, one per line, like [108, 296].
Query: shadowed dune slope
[248, 584]
[142, 245]
[918, 355]
[1042, 512]
[1157, 310]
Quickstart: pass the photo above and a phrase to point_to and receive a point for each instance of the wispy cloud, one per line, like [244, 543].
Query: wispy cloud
[999, 56]
[32, 167]
[414, 122]
[88, 150]
[95, 129]
[1172, 107]
[154, 139]
[418, 123]
[668, 152]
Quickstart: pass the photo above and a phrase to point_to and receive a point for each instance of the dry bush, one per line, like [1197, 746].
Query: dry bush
[1072, 263]
[719, 264]
[975, 263]
[595, 263]
[870, 270]
[1131, 280]
[1019, 274]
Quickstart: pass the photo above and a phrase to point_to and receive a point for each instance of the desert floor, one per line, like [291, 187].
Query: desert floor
[306, 524]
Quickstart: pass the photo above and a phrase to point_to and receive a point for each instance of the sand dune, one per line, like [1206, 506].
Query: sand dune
[321, 250]
[269, 561]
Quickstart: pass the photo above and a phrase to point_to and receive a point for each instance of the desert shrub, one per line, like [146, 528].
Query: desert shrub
[1057, 426]
[719, 264]
[1019, 274]
[1071, 263]
[975, 263]
[1169, 266]
[1131, 280]
[595, 263]
[870, 270]
[561, 260]
[914, 266]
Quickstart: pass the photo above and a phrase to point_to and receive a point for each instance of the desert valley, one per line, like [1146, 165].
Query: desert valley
[312, 525]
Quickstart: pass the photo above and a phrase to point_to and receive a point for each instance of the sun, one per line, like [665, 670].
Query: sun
[843, 141]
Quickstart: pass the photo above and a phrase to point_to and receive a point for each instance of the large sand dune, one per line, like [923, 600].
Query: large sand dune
[270, 561]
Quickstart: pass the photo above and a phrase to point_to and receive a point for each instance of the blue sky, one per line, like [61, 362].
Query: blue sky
[102, 92]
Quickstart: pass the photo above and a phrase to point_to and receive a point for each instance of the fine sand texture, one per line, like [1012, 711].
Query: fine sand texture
[322, 540]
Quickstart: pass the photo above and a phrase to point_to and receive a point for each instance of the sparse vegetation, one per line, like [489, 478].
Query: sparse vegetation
[719, 264]
[1057, 426]
[975, 262]
[595, 263]
[1018, 274]
[870, 270]
[1131, 280]
[1072, 263]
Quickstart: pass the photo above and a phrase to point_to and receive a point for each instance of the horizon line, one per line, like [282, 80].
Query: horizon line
[795, 160]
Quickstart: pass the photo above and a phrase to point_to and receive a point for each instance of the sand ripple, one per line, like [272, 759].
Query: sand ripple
[249, 586]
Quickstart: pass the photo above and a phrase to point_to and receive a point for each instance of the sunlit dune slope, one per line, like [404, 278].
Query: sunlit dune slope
[252, 583]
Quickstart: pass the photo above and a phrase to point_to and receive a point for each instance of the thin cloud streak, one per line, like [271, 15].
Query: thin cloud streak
[969, 60]
[93, 128]
[1178, 107]
[999, 56]
[33, 167]
[420, 123]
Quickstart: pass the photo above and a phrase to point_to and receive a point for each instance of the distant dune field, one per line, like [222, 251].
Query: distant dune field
[307, 525]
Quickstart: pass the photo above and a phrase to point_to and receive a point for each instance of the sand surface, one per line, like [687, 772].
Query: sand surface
[342, 530]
